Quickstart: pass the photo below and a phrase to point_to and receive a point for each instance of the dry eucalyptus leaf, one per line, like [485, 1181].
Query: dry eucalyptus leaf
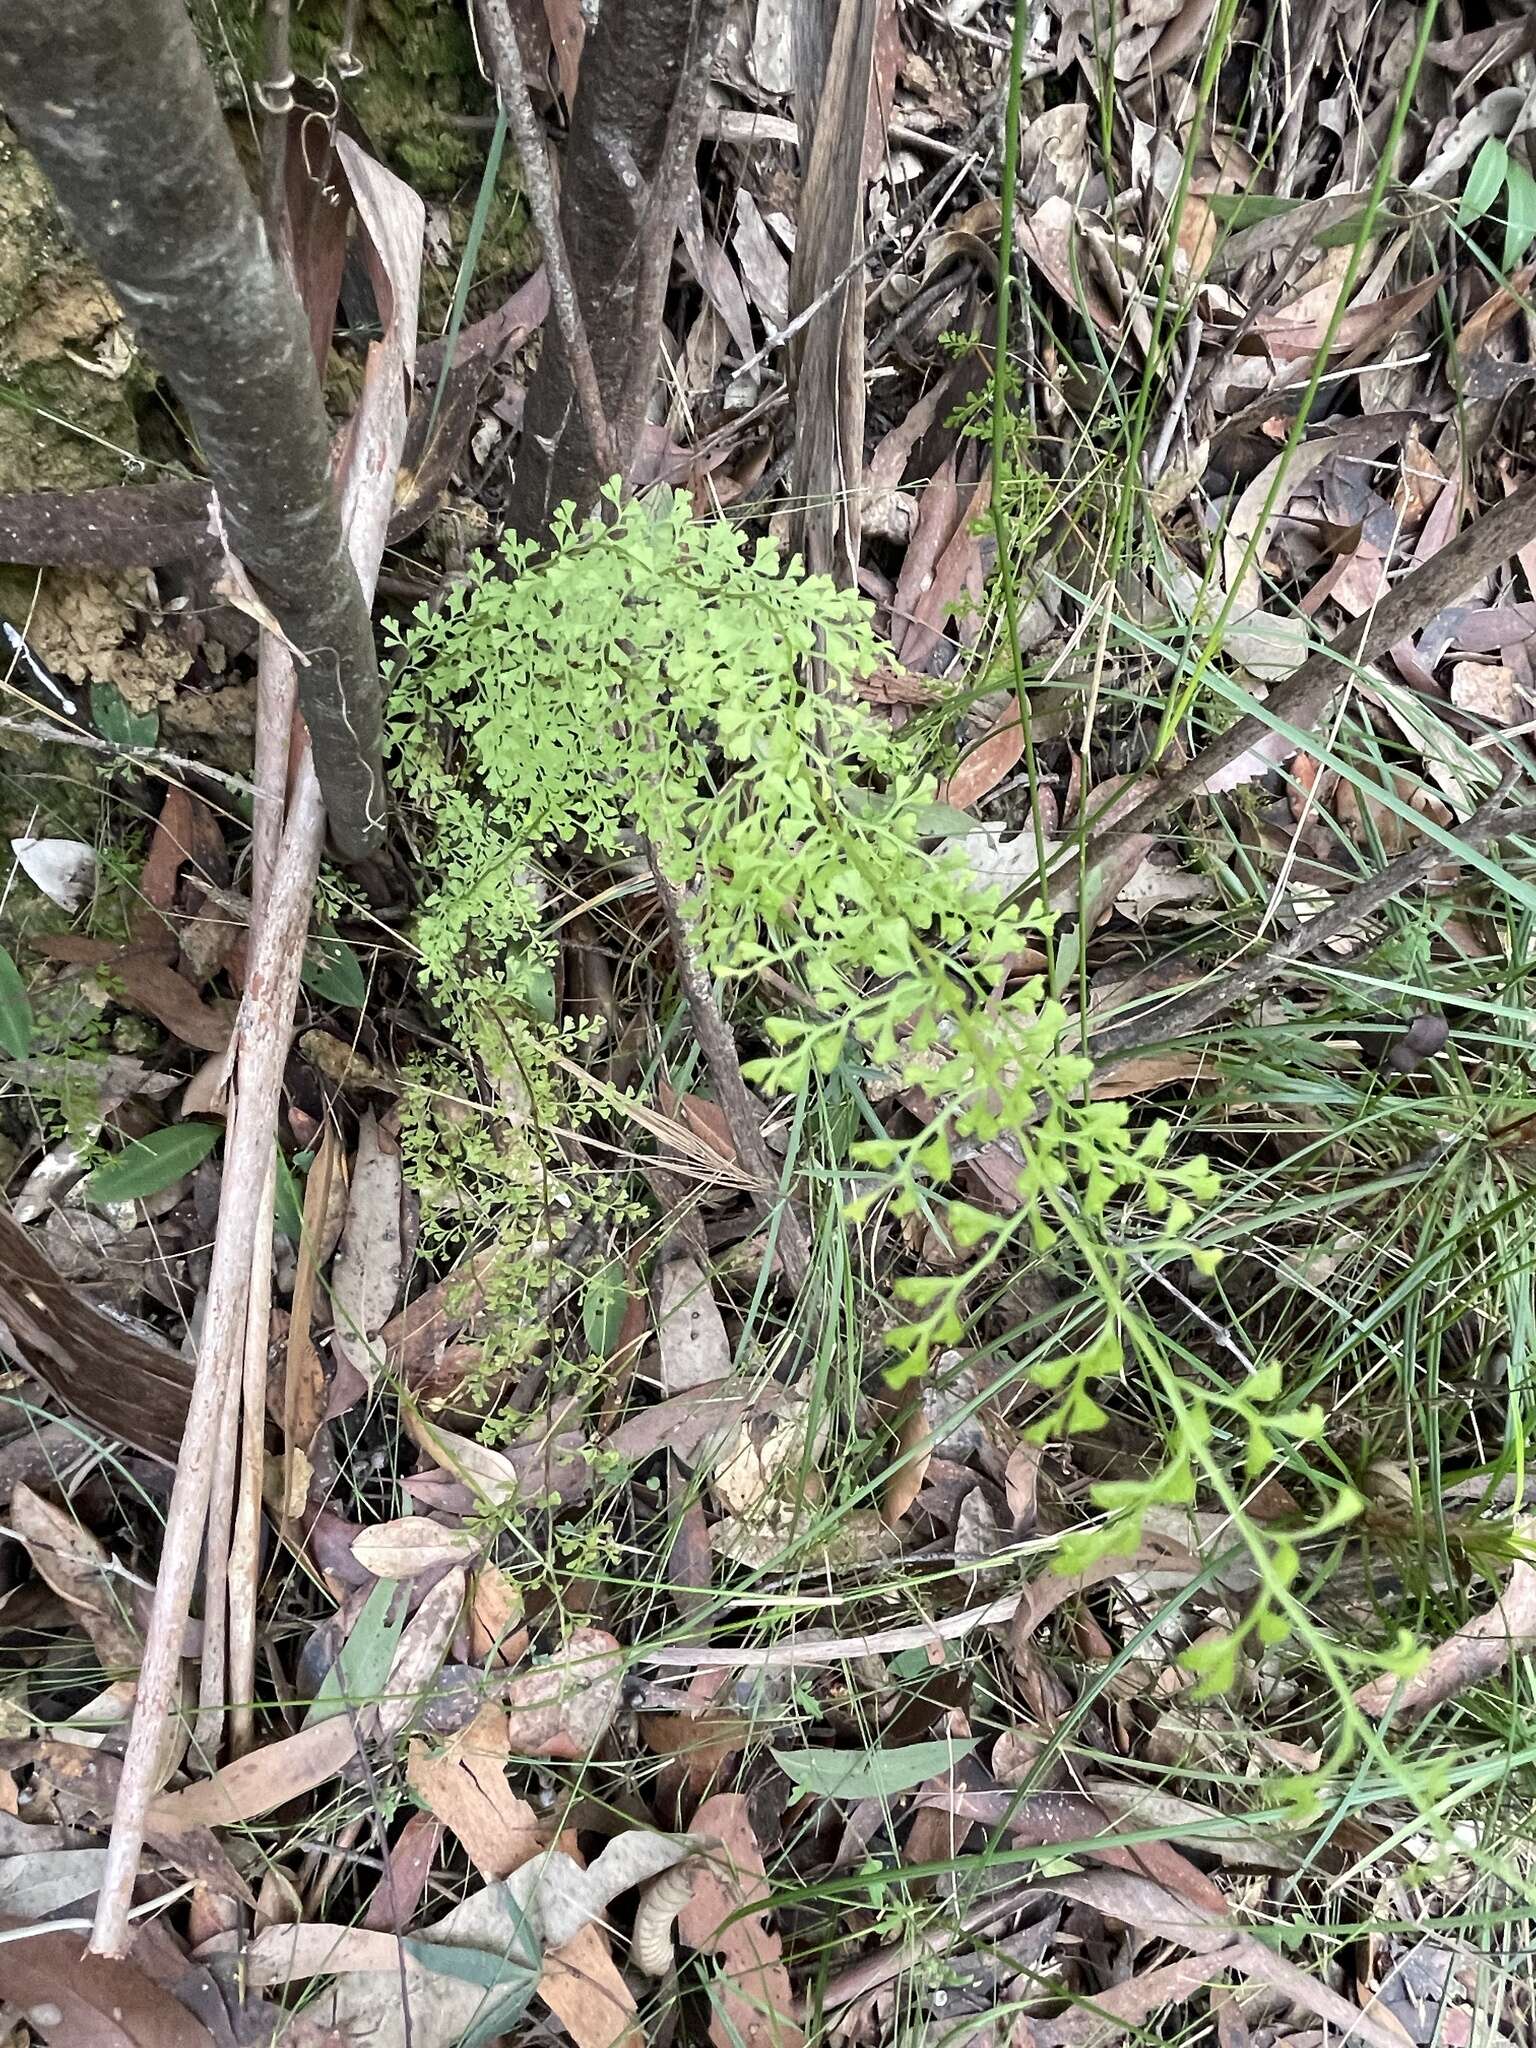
[695, 1349]
[420, 1652]
[366, 1276]
[465, 1785]
[563, 1706]
[81, 1572]
[406, 1548]
[1488, 689]
[752, 2000]
[772, 1450]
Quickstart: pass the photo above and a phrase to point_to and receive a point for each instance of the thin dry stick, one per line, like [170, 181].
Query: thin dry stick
[528, 135]
[719, 1050]
[244, 1576]
[271, 992]
[223, 1678]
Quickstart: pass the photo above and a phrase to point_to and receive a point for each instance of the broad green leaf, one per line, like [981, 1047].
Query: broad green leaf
[146, 1165]
[117, 724]
[868, 1774]
[288, 1197]
[1489, 169]
[361, 1672]
[15, 1010]
[334, 972]
[1520, 220]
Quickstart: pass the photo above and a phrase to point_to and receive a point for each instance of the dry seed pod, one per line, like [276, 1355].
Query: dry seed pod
[650, 1946]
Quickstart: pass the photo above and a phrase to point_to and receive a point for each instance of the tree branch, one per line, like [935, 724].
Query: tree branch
[117, 106]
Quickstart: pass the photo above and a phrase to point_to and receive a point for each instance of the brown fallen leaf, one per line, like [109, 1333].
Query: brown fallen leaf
[562, 1707]
[253, 1785]
[81, 1572]
[84, 2001]
[1488, 689]
[1161, 1915]
[752, 2000]
[118, 1382]
[495, 1618]
[684, 1424]
[406, 1548]
[585, 1990]
[465, 1785]
[1476, 1651]
[985, 765]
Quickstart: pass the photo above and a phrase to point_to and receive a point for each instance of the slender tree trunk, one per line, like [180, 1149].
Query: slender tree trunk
[634, 134]
[114, 100]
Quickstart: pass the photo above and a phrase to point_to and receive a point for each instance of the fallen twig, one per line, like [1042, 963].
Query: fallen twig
[271, 992]
[1186, 1014]
[1300, 699]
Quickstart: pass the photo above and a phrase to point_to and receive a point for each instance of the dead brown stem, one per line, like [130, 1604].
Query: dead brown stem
[719, 1050]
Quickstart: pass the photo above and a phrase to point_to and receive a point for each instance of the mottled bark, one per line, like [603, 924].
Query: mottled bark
[634, 134]
[116, 104]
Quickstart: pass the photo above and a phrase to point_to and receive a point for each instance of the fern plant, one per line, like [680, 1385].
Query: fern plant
[641, 688]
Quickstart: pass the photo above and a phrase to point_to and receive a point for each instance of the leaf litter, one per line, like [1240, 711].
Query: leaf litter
[653, 1651]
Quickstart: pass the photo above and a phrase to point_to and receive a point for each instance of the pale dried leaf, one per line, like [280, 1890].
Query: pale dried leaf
[695, 1349]
[406, 1548]
[63, 869]
[366, 1276]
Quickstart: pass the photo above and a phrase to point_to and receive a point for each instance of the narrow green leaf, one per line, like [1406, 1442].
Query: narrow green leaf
[508, 1976]
[361, 1672]
[871, 1774]
[334, 972]
[146, 1165]
[15, 1010]
[1243, 209]
[466, 276]
[1489, 169]
[1520, 221]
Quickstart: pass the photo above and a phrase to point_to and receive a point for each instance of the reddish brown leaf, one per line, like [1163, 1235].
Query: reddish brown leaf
[985, 765]
[565, 1705]
[84, 2001]
[465, 1785]
[753, 2001]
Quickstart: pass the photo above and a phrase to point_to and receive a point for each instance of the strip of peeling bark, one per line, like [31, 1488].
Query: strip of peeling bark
[116, 104]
